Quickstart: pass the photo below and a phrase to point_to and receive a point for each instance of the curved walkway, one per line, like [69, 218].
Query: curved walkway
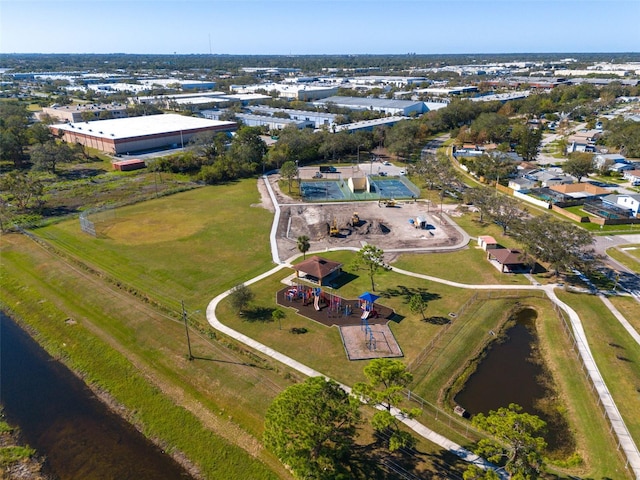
[626, 442]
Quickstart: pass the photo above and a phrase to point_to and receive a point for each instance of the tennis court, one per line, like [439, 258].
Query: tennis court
[337, 190]
[391, 188]
[323, 190]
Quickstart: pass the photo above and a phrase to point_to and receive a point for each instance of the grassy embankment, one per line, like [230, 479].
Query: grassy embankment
[227, 394]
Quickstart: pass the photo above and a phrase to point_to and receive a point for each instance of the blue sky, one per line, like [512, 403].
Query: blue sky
[319, 26]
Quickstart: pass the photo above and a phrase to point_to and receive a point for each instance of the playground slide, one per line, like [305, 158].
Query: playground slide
[365, 315]
[316, 302]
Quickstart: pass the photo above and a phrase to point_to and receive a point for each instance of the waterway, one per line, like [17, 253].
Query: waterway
[62, 419]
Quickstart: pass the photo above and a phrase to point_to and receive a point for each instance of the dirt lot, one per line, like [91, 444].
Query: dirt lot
[388, 228]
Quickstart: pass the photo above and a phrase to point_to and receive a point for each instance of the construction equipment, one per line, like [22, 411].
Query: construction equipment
[390, 203]
[355, 220]
[333, 229]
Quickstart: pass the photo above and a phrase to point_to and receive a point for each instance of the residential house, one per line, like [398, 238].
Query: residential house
[628, 202]
[608, 159]
[632, 175]
[580, 190]
[583, 141]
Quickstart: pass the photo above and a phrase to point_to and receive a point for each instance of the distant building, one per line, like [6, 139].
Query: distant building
[369, 125]
[137, 134]
[251, 120]
[319, 119]
[77, 113]
[383, 105]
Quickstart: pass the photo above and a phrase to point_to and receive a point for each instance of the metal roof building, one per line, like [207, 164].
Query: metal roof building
[137, 134]
[393, 107]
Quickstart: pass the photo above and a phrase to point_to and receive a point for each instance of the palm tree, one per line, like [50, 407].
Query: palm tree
[303, 245]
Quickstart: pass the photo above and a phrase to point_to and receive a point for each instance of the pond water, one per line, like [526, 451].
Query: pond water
[63, 420]
[508, 374]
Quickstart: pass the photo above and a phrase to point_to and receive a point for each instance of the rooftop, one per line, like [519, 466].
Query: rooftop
[140, 126]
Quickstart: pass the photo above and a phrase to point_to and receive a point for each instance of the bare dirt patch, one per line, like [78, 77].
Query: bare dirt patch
[361, 344]
[388, 228]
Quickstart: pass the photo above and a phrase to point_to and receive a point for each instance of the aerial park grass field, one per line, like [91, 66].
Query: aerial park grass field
[197, 244]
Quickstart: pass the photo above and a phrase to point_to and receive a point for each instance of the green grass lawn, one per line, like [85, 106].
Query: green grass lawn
[629, 308]
[182, 247]
[616, 353]
[628, 255]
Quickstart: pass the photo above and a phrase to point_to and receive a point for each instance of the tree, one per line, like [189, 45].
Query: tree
[482, 198]
[240, 297]
[277, 315]
[48, 155]
[25, 191]
[518, 444]
[417, 304]
[579, 164]
[528, 142]
[371, 259]
[386, 380]
[562, 245]
[14, 119]
[303, 245]
[247, 147]
[505, 212]
[492, 167]
[289, 170]
[311, 427]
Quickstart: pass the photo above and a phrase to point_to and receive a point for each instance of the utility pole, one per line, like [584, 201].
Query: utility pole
[186, 329]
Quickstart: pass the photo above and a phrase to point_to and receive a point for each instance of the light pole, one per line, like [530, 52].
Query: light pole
[359, 155]
[186, 329]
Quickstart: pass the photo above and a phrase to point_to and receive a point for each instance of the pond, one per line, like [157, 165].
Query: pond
[512, 372]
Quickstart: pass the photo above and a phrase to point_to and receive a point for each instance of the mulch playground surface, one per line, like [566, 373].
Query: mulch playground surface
[361, 341]
[330, 315]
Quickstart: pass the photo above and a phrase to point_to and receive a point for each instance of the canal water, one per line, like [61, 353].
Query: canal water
[507, 374]
[63, 420]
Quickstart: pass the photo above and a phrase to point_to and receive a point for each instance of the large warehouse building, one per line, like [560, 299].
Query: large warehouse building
[136, 134]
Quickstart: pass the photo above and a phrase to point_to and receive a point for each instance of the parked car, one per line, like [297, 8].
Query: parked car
[317, 175]
[386, 162]
[403, 172]
[383, 174]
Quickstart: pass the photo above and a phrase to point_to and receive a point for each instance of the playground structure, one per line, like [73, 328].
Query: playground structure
[363, 324]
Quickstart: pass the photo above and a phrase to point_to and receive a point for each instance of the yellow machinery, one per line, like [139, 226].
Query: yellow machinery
[355, 219]
[333, 229]
[390, 203]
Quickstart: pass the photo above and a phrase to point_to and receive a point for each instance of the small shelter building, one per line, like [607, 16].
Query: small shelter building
[509, 261]
[318, 270]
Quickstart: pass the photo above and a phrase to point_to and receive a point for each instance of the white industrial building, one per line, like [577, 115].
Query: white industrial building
[136, 134]
[251, 120]
[319, 119]
[298, 91]
[384, 105]
[76, 113]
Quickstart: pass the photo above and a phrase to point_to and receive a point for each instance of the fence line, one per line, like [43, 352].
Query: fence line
[479, 295]
[574, 346]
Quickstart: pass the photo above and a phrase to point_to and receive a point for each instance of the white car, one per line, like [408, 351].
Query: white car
[403, 172]
[386, 163]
